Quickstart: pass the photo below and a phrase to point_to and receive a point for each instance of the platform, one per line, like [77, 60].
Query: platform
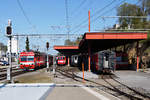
[24, 91]
[49, 92]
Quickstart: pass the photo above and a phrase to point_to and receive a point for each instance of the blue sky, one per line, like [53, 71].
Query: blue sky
[44, 14]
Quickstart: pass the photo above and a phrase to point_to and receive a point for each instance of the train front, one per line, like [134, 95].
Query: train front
[61, 60]
[27, 61]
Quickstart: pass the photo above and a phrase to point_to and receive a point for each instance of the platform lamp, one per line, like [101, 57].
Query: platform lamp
[8, 34]
[47, 46]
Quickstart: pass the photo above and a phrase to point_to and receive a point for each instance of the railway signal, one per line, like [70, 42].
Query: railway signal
[8, 33]
[47, 46]
[8, 28]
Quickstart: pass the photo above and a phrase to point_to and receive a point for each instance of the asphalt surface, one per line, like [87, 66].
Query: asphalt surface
[49, 91]
[74, 93]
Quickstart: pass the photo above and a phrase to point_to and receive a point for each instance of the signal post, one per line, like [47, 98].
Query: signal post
[9, 69]
[47, 46]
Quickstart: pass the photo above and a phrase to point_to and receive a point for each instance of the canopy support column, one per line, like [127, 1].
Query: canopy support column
[137, 53]
[89, 57]
[68, 61]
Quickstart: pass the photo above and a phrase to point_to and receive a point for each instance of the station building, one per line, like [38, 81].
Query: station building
[98, 41]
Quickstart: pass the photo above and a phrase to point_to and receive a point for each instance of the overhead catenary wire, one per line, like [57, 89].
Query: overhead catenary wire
[119, 16]
[97, 12]
[125, 17]
[25, 15]
[144, 17]
[94, 19]
[78, 7]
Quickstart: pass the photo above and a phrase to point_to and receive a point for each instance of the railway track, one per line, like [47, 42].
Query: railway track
[15, 72]
[110, 86]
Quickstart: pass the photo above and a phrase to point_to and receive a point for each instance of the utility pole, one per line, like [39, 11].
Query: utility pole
[17, 52]
[8, 33]
[54, 65]
[67, 18]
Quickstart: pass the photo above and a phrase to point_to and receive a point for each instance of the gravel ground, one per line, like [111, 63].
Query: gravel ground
[39, 76]
[88, 75]
[134, 79]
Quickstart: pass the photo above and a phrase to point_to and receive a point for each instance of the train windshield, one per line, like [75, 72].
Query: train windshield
[61, 58]
[30, 58]
[23, 58]
[27, 58]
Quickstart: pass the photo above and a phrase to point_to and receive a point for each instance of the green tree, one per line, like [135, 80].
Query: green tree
[3, 47]
[127, 9]
[73, 43]
[27, 44]
[145, 7]
[68, 42]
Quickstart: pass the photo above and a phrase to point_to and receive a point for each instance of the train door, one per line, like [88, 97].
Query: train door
[106, 60]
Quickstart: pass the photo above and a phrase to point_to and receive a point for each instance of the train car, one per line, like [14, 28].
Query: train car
[103, 61]
[61, 60]
[32, 60]
[76, 60]
[122, 60]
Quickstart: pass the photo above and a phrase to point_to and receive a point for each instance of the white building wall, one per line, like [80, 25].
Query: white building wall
[13, 46]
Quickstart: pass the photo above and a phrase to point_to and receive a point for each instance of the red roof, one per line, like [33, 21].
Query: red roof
[66, 47]
[102, 40]
[115, 35]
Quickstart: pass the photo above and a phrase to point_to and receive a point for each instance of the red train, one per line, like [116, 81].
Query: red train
[122, 60]
[33, 60]
[61, 60]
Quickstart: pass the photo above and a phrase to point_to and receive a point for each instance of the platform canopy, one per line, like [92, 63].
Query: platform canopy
[67, 50]
[97, 41]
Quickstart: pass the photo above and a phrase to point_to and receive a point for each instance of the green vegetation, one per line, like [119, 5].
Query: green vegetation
[73, 43]
[27, 44]
[142, 9]
[127, 9]
[3, 47]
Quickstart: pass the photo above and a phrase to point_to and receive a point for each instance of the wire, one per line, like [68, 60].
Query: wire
[93, 20]
[24, 13]
[78, 7]
[97, 12]
[26, 17]
[67, 18]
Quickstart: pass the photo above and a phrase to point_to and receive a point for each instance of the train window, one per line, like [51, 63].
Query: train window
[76, 57]
[107, 56]
[24, 59]
[59, 58]
[30, 58]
